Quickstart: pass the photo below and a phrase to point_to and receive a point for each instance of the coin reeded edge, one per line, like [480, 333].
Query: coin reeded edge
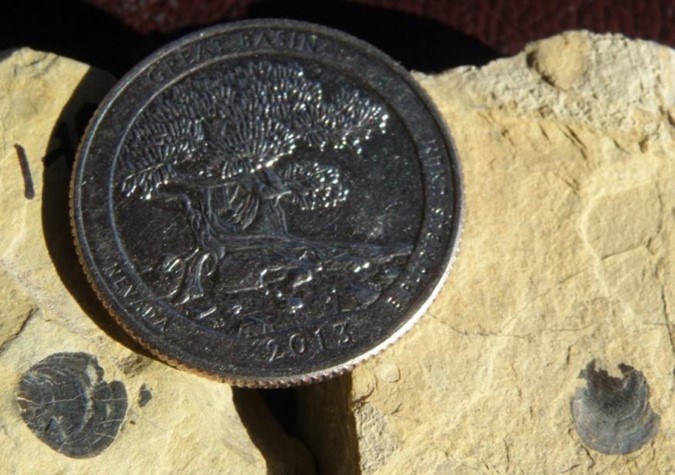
[427, 298]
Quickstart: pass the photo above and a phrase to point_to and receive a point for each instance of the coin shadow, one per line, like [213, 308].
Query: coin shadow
[267, 424]
[306, 429]
[57, 167]
[418, 43]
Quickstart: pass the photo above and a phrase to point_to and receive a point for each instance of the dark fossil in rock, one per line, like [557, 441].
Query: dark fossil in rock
[612, 415]
[144, 395]
[67, 404]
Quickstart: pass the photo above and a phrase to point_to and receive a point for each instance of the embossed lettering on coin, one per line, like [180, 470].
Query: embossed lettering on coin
[271, 205]
[67, 404]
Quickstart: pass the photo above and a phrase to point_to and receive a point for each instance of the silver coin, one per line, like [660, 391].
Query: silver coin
[267, 202]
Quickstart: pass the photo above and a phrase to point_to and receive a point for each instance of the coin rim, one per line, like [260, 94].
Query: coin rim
[444, 267]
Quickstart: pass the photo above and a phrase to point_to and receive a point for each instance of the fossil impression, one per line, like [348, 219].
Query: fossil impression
[67, 404]
[612, 415]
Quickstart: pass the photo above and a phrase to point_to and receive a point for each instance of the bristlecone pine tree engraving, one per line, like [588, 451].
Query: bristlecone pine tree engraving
[222, 146]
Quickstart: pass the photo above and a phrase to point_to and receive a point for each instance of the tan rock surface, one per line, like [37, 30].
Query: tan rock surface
[568, 152]
[191, 424]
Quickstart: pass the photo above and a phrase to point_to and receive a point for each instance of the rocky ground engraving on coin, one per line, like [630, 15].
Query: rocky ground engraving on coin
[276, 194]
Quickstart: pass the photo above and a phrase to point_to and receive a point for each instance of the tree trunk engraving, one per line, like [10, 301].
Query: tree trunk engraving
[223, 147]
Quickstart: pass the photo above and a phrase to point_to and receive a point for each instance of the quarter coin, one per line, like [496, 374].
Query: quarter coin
[267, 202]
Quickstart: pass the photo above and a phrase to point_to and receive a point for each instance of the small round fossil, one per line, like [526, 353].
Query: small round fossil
[612, 415]
[67, 404]
[144, 396]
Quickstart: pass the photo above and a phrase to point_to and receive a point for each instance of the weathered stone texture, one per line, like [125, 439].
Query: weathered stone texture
[190, 424]
[568, 153]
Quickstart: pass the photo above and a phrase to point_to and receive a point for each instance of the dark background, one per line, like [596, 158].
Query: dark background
[76, 29]
[426, 35]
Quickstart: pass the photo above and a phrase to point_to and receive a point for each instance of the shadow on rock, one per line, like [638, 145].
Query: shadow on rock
[283, 453]
[58, 164]
[326, 423]
[309, 429]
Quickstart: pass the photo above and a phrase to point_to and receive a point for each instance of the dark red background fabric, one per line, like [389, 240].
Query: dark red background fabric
[507, 25]
[502, 25]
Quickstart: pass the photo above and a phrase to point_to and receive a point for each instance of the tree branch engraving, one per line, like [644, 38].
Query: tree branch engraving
[222, 146]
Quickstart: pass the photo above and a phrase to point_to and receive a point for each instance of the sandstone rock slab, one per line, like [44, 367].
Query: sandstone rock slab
[174, 422]
[567, 256]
